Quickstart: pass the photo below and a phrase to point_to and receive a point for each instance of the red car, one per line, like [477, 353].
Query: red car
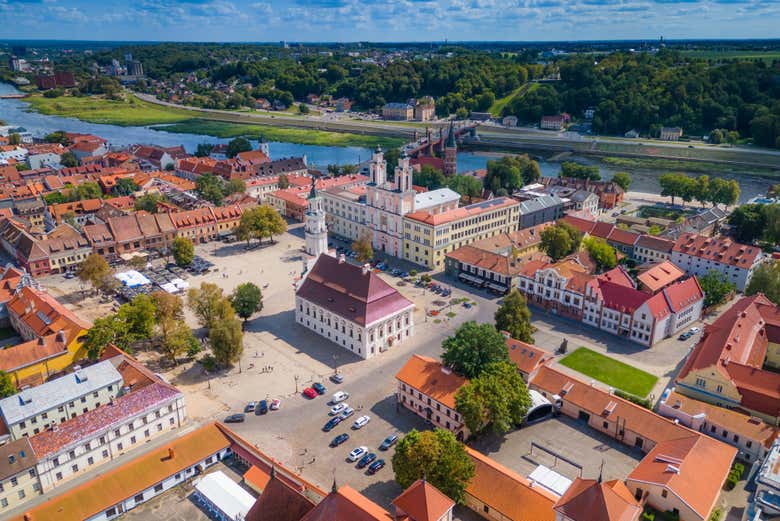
[310, 393]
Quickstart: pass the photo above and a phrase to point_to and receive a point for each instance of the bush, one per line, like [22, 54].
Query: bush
[644, 402]
[731, 482]
[739, 468]
[209, 363]
[648, 516]
[716, 515]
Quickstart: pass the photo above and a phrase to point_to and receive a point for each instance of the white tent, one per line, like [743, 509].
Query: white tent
[169, 287]
[550, 480]
[132, 278]
[224, 495]
[180, 283]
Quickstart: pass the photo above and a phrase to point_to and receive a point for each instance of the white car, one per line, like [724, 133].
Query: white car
[361, 422]
[346, 413]
[338, 408]
[357, 453]
[695, 329]
[339, 396]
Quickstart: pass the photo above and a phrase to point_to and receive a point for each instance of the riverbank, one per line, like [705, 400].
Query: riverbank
[681, 165]
[129, 112]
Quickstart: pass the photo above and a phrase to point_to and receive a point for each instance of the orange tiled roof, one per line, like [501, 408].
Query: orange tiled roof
[723, 250]
[588, 499]
[660, 275]
[429, 377]
[31, 352]
[278, 502]
[347, 504]
[43, 314]
[525, 356]
[423, 502]
[463, 212]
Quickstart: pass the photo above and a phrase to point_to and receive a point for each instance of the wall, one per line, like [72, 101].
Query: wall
[670, 502]
[27, 487]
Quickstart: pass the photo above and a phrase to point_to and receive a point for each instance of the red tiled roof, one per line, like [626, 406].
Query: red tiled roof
[423, 502]
[583, 225]
[660, 275]
[43, 314]
[682, 294]
[525, 356]
[623, 236]
[655, 243]
[347, 504]
[463, 212]
[723, 250]
[278, 502]
[588, 499]
[429, 377]
[27, 353]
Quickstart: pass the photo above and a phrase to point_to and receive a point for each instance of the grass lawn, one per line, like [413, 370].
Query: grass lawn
[681, 165]
[610, 371]
[498, 106]
[129, 112]
[733, 54]
[271, 133]
[661, 212]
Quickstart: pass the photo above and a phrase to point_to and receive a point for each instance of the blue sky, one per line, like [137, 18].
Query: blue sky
[387, 20]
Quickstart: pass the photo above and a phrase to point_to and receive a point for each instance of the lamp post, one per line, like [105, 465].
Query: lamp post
[296, 377]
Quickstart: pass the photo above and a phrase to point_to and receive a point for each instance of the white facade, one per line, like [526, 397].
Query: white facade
[364, 341]
[430, 409]
[45, 160]
[740, 276]
[346, 213]
[315, 230]
[17, 153]
[387, 203]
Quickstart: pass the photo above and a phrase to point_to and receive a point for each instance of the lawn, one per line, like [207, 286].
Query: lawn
[128, 112]
[681, 165]
[610, 371]
[661, 212]
[498, 106]
[290, 135]
[733, 54]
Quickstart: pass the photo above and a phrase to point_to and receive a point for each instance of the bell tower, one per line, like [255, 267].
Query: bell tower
[451, 153]
[315, 229]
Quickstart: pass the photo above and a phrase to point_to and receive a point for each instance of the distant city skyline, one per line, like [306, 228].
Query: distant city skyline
[388, 20]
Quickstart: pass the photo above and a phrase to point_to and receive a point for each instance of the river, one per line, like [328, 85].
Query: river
[16, 112]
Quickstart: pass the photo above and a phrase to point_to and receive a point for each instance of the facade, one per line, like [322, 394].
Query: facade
[539, 210]
[66, 248]
[398, 111]
[425, 109]
[450, 153]
[346, 212]
[698, 255]
[765, 502]
[670, 134]
[652, 249]
[352, 307]
[552, 122]
[18, 477]
[315, 230]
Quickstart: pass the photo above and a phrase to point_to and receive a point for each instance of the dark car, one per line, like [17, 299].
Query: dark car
[336, 378]
[262, 407]
[331, 423]
[235, 418]
[389, 442]
[376, 466]
[318, 387]
[338, 440]
[365, 460]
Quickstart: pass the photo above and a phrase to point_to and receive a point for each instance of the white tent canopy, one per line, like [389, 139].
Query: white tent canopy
[224, 495]
[550, 480]
[132, 278]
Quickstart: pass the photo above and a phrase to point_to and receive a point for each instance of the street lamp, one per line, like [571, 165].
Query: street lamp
[296, 377]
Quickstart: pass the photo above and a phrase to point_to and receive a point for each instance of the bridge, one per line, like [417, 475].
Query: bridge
[13, 96]
[432, 142]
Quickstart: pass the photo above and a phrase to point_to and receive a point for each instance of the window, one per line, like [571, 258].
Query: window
[90, 461]
[485, 509]
[22, 494]
[58, 476]
[748, 444]
[111, 512]
[105, 454]
[139, 498]
[4, 502]
[32, 473]
[606, 425]
[14, 482]
[664, 493]
[119, 446]
[158, 487]
[701, 383]
[132, 439]
[74, 468]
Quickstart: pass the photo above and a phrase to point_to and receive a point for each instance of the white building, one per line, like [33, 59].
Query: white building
[315, 230]
[9, 152]
[698, 255]
[353, 307]
[346, 212]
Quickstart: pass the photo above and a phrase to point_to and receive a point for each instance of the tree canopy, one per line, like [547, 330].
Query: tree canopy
[578, 171]
[716, 287]
[560, 240]
[204, 301]
[7, 387]
[510, 173]
[260, 222]
[473, 347]
[622, 179]
[183, 251]
[95, 270]
[601, 252]
[247, 299]
[766, 280]
[753, 222]
[363, 249]
[238, 145]
[514, 317]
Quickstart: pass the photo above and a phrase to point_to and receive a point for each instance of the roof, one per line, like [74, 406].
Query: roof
[525, 356]
[540, 203]
[660, 275]
[42, 313]
[489, 261]
[622, 236]
[507, 492]
[278, 502]
[589, 499]
[679, 465]
[431, 378]
[435, 197]
[655, 243]
[344, 289]
[15, 457]
[31, 352]
[32, 402]
[226, 495]
[464, 212]
[680, 295]
[136, 475]
[722, 250]
[347, 504]
[85, 426]
[423, 502]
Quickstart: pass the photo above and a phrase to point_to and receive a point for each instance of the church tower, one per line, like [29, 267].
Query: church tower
[378, 167]
[451, 153]
[315, 229]
[403, 173]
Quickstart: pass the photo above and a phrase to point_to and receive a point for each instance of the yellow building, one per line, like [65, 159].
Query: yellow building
[428, 237]
[18, 479]
[53, 337]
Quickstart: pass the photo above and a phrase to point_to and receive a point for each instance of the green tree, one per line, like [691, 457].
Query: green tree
[247, 299]
[183, 251]
[177, 338]
[238, 145]
[7, 387]
[68, 159]
[210, 188]
[140, 316]
[58, 136]
[438, 457]
[124, 186]
[578, 171]
[94, 270]
[749, 222]
[303, 108]
[205, 303]
[766, 280]
[363, 249]
[14, 139]
[107, 330]
[622, 179]
[466, 186]
[602, 253]
[772, 229]
[560, 240]
[716, 137]
[497, 398]
[203, 149]
[514, 317]
[235, 186]
[226, 336]
[473, 347]
[86, 190]
[716, 288]
[271, 223]
[148, 202]
[429, 177]
[510, 173]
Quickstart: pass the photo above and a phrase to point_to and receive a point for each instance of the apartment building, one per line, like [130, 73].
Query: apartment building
[18, 477]
[346, 212]
[35, 409]
[66, 248]
[428, 388]
[698, 255]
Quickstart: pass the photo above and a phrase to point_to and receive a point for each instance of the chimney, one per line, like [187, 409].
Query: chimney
[41, 341]
[61, 336]
[342, 258]
[366, 268]
[170, 453]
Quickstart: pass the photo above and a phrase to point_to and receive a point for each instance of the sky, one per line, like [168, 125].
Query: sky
[387, 20]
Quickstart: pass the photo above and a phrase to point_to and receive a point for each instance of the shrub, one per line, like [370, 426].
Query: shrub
[644, 402]
[716, 515]
[648, 516]
[731, 482]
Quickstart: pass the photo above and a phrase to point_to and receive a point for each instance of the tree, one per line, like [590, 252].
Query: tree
[168, 306]
[203, 149]
[466, 186]
[766, 280]
[238, 145]
[107, 330]
[602, 253]
[58, 136]
[716, 137]
[622, 179]
[210, 188]
[303, 108]
[772, 230]
[140, 315]
[271, 223]
[7, 387]
[497, 398]
[205, 303]
[94, 270]
[177, 339]
[363, 249]
[183, 251]
[235, 186]
[560, 240]
[473, 347]
[716, 288]
[284, 182]
[68, 159]
[247, 299]
[148, 202]
[438, 457]
[14, 139]
[578, 171]
[514, 317]
[226, 336]
[429, 177]
[749, 222]
[510, 173]
[124, 186]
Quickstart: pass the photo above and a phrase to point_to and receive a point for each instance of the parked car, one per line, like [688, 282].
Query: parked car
[366, 459]
[361, 422]
[310, 393]
[235, 418]
[376, 466]
[275, 404]
[389, 442]
[357, 453]
[318, 387]
[262, 407]
[694, 329]
[347, 412]
[338, 440]
[250, 407]
[338, 408]
[336, 378]
[331, 423]
[685, 336]
[339, 396]
[467, 305]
